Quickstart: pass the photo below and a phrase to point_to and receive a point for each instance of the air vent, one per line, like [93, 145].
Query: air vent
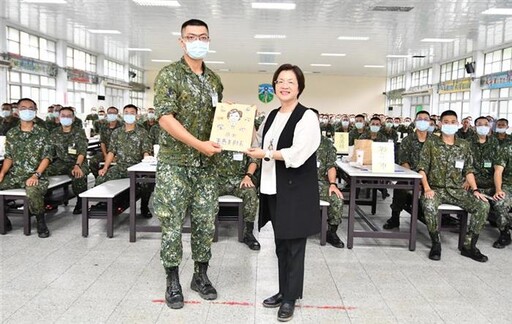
[391, 8]
[418, 56]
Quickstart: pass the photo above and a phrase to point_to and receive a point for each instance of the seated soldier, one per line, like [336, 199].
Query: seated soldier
[9, 120]
[501, 132]
[465, 132]
[154, 134]
[374, 134]
[344, 126]
[69, 149]
[446, 163]
[388, 130]
[99, 123]
[358, 130]
[232, 167]
[27, 155]
[150, 120]
[128, 146]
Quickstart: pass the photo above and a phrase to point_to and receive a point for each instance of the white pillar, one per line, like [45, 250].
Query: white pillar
[62, 77]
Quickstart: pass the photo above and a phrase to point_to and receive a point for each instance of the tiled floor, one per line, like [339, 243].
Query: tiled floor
[70, 279]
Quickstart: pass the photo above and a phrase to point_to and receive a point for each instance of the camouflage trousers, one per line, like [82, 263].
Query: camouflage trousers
[35, 194]
[335, 209]
[501, 207]
[58, 167]
[121, 172]
[178, 189]
[249, 196]
[94, 163]
[459, 197]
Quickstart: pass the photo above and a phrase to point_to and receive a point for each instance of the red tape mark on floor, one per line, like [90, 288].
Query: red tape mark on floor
[235, 303]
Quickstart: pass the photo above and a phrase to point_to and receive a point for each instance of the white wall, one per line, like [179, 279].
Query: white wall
[329, 94]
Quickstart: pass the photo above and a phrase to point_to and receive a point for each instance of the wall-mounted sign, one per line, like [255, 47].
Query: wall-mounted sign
[265, 92]
[31, 65]
[497, 80]
[455, 86]
[418, 91]
[75, 75]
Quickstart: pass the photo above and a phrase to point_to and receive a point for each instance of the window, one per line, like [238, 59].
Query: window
[28, 45]
[455, 70]
[115, 97]
[421, 77]
[498, 61]
[396, 83]
[81, 60]
[497, 103]
[137, 99]
[115, 70]
[457, 101]
[39, 88]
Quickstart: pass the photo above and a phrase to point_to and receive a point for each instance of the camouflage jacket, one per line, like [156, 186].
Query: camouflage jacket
[189, 97]
[484, 157]
[354, 135]
[504, 158]
[389, 133]
[154, 134]
[106, 133]
[92, 117]
[410, 150]
[7, 124]
[231, 170]
[446, 166]
[98, 125]
[67, 147]
[465, 135]
[147, 125]
[129, 147]
[27, 150]
[507, 140]
[326, 158]
[379, 137]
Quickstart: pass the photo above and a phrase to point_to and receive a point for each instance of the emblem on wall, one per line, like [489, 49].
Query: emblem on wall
[265, 92]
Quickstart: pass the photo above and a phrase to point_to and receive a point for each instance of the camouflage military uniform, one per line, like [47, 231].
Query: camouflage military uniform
[389, 133]
[98, 125]
[326, 159]
[258, 121]
[354, 135]
[379, 137]
[128, 148]
[154, 134]
[329, 130]
[230, 174]
[147, 125]
[486, 156]
[446, 167]
[185, 178]
[105, 134]
[92, 117]
[469, 134]
[27, 150]
[506, 141]
[7, 124]
[66, 147]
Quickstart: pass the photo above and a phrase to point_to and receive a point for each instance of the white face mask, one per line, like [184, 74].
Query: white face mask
[501, 130]
[197, 49]
[483, 130]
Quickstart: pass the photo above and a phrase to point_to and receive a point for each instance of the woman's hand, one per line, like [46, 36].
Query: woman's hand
[255, 153]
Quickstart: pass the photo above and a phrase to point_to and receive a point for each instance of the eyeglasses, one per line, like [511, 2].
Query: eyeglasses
[282, 82]
[193, 38]
[27, 108]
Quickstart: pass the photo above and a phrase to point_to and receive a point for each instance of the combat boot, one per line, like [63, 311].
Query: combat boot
[8, 224]
[78, 206]
[249, 238]
[435, 250]
[144, 206]
[472, 251]
[503, 239]
[393, 222]
[173, 293]
[201, 283]
[42, 229]
[332, 238]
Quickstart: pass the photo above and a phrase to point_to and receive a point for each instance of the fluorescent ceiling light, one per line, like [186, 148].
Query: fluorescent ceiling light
[333, 54]
[214, 62]
[212, 51]
[136, 49]
[374, 66]
[223, 70]
[273, 5]
[157, 3]
[438, 40]
[103, 31]
[269, 53]
[45, 1]
[362, 38]
[176, 33]
[262, 36]
[398, 56]
[161, 61]
[267, 63]
[498, 11]
[320, 64]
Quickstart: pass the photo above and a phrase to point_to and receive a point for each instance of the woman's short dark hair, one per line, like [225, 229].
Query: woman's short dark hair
[298, 74]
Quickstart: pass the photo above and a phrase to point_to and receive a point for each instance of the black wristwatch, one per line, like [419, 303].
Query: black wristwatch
[476, 190]
[37, 174]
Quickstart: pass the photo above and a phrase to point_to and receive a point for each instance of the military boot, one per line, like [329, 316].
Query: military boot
[42, 229]
[332, 238]
[201, 283]
[78, 207]
[249, 238]
[472, 251]
[503, 239]
[435, 250]
[393, 222]
[173, 293]
[144, 206]
[8, 225]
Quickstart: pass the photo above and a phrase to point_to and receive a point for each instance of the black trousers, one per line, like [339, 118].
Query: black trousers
[290, 258]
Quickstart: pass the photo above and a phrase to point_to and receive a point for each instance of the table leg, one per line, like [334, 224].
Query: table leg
[414, 215]
[133, 206]
[351, 213]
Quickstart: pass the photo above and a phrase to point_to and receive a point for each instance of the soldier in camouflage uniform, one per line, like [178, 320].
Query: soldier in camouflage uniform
[112, 123]
[69, 150]
[493, 176]
[260, 117]
[150, 120]
[100, 122]
[154, 134]
[235, 177]
[501, 132]
[445, 164]
[465, 132]
[344, 126]
[128, 145]
[27, 155]
[388, 130]
[358, 130]
[326, 162]
[8, 120]
[186, 94]
[408, 157]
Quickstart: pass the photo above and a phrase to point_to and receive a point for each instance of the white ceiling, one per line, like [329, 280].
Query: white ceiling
[311, 29]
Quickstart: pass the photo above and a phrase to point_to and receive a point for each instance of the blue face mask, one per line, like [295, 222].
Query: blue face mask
[422, 125]
[129, 119]
[111, 117]
[483, 130]
[359, 125]
[197, 49]
[449, 129]
[374, 128]
[66, 121]
[27, 114]
[151, 116]
[6, 113]
[431, 129]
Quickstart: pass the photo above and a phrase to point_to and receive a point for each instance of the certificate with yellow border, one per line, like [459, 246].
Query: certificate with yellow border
[233, 126]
